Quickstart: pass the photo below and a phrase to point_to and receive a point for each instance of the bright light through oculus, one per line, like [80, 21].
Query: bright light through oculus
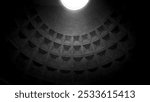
[74, 4]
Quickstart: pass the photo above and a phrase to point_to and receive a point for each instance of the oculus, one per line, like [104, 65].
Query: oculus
[74, 4]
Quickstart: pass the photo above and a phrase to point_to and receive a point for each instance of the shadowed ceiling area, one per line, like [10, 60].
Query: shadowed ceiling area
[48, 44]
[70, 22]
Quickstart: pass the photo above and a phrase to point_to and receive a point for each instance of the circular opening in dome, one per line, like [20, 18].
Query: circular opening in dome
[74, 4]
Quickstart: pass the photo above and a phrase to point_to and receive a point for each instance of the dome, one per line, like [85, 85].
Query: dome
[59, 46]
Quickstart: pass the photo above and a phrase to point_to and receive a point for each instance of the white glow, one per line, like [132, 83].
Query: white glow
[74, 4]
